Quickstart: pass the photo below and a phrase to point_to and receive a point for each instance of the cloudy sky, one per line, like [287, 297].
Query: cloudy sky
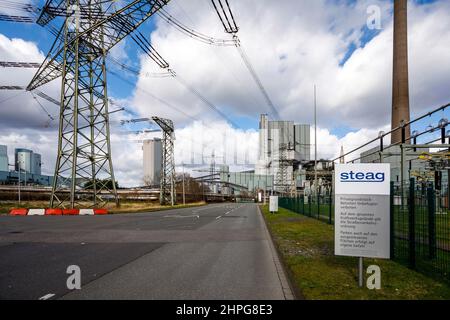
[292, 45]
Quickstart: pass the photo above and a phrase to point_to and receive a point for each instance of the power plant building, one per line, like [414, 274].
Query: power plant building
[4, 158]
[283, 147]
[28, 161]
[152, 150]
[30, 166]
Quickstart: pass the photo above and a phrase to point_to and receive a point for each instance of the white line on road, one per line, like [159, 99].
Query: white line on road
[47, 296]
[193, 216]
[218, 217]
[207, 208]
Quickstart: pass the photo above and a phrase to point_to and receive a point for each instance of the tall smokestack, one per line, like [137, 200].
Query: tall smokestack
[400, 84]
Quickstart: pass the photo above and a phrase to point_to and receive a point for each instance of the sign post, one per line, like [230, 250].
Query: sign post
[273, 204]
[362, 221]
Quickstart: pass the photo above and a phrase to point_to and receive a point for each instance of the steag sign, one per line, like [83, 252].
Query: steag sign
[362, 210]
[273, 204]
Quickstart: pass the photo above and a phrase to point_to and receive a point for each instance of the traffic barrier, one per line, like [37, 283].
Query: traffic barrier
[86, 212]
[71, 212]
[53, 212]
[57, 212]
[100, 211]
[18, 212]
[36, 212]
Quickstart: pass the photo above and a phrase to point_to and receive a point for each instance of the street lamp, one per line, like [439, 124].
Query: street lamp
[18, 166]
[184, 196]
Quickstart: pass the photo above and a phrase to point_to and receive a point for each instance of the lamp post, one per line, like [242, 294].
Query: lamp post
[315, 139]
[18, 163]
[184, 195]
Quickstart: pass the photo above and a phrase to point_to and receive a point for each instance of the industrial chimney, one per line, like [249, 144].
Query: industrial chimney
[400, 85]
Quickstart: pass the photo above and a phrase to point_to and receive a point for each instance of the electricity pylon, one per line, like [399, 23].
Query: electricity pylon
[90, 29]
[283, 180]
[167, 185]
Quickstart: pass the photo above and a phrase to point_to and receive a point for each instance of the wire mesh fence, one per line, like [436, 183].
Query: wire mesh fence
[420, 224]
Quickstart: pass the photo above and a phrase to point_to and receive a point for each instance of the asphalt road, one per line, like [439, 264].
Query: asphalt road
[220, 251]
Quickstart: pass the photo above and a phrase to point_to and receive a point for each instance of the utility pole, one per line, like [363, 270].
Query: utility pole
[184, 195]
[315, 139]
[18, 162]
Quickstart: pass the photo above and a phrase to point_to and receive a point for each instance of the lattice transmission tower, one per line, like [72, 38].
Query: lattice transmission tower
[90, 29]
[284, 183]
[167, 184]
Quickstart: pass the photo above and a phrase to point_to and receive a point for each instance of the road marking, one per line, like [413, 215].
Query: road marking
[47, 296]
[207, 208]
[193, 216]
[218, 217]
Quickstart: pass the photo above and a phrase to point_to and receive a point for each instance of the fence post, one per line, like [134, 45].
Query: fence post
[431, 222]
[318, 206]
[412, 224]
[330, 208]
[392, 226]
[309, 204]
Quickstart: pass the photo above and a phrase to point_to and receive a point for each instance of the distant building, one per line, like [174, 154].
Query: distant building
[36, 164]
[4, 158]
[283, 147]
[30, 168]
[27, 161]
[248, 180]
[152, 150]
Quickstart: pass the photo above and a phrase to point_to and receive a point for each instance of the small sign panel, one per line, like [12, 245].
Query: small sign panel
[362, 210]
[273, 204]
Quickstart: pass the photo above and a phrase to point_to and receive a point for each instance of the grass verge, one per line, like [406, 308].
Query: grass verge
[307, 248]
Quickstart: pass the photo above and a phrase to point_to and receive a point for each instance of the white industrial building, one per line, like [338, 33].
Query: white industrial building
[28, 161]
[30, 165]
[4, 158]
[152, 150]
[283, 147]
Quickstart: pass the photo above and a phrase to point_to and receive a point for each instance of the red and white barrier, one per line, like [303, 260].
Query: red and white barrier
[53, 212]
[86, 212]
[57, 212]
[71, 212]
[100, 211]
[36, 212]
[18, 212]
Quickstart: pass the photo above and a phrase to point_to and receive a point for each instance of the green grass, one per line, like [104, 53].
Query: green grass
[307, 248]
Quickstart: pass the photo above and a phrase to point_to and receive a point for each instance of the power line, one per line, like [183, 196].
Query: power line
[255, 77]
[226, 15]
[12, 18]
[192, 33]
[230, 26]
[202, 98]
[14, 64]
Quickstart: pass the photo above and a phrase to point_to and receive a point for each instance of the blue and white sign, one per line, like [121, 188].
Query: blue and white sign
[362, 222]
